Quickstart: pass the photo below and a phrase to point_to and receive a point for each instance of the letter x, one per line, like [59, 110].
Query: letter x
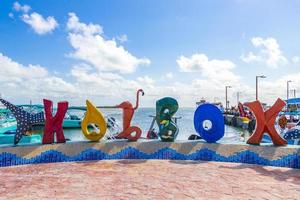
[54, 124]
[265, 122]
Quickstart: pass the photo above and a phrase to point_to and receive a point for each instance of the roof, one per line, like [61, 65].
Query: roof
[293, 100]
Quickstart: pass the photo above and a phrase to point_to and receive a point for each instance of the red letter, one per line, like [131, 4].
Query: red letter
[54, 124]
[265, 122]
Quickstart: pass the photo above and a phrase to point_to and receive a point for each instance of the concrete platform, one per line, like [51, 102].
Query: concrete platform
[148, 179]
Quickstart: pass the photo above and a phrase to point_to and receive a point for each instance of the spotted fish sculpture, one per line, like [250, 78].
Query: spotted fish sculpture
[293, 135]
[165, 110]
[25, 120]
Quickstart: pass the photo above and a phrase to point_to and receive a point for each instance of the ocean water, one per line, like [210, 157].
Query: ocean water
[141, 119]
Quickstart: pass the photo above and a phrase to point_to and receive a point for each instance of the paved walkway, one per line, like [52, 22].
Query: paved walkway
[148, 179]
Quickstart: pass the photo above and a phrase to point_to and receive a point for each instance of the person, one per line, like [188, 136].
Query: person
[222, 108]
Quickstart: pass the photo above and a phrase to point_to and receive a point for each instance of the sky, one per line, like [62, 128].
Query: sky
[187, 49]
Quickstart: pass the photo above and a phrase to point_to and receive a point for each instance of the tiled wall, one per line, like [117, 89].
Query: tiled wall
[288, 156]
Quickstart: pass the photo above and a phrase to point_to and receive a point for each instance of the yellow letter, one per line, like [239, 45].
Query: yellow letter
[93, 116]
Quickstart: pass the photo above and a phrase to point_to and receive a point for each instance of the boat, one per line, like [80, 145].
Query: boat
[27, 139]
[7, 133]
[291, 130]
[218, 104]
[72, 118]
[8, 124]
[7, 121]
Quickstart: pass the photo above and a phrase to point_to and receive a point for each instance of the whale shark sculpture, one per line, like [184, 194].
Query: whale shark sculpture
[25, 120]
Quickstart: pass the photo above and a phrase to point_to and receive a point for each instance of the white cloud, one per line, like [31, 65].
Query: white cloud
[122, 38]
[169, 75]
[269, 52]
[270, 90]
[105, 55]
[214, 70]
[77, 27]
[11, 15]
[146, 81]
[21, 83]
[295, 59]
[107, 88]
[32, 81]
[40, 24]
[213, 76]
[110, 88]
[36, 21]
[19, 7]
[97, 77]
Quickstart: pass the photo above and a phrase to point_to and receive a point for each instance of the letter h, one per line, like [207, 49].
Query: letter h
[54, 124]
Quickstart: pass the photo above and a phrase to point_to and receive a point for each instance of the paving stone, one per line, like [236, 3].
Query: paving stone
[148, 179]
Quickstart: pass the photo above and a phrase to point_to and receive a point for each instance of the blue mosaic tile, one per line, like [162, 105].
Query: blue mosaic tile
[51, 156]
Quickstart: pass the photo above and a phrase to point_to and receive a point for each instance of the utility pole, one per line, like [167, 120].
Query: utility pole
[293, 92]
[288, 89]
[238, 98]
[226, 99]
[256, 84]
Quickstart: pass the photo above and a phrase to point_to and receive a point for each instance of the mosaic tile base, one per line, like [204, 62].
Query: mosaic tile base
[83, 151]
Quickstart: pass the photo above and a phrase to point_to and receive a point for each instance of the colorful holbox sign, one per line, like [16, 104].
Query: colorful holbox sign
[208, 121]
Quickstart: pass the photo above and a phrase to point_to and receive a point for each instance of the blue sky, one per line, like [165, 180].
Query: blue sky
[184, 49]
